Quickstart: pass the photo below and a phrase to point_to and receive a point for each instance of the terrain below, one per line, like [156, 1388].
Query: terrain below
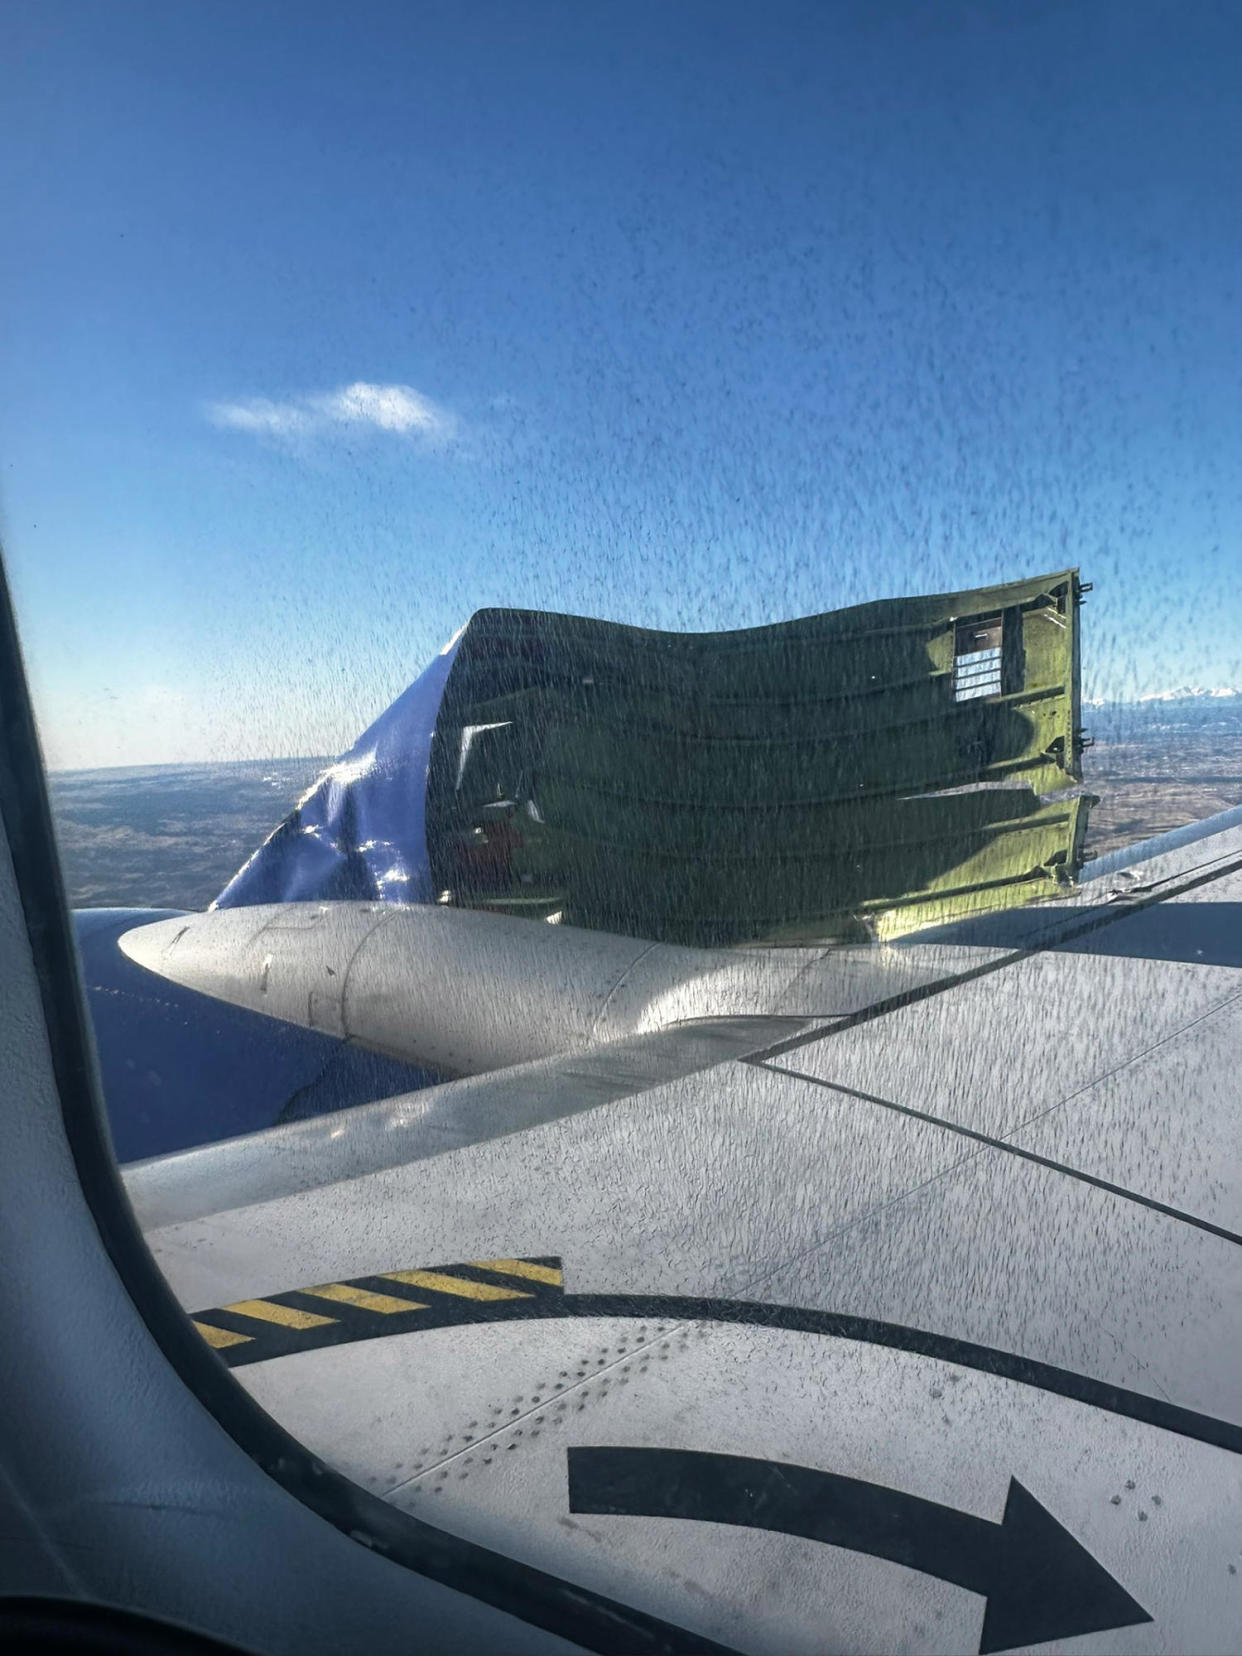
[171, 836]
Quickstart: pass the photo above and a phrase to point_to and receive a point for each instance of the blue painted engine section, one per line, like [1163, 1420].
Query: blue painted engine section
[360, 833]
[180, 1069]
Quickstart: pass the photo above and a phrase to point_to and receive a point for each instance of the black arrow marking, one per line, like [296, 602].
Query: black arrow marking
[1039, 1582]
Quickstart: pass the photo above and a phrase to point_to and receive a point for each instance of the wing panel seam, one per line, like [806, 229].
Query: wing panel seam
[986, 1140]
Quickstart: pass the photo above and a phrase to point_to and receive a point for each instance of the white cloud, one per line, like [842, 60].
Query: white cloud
[260, 416]
[393, 408]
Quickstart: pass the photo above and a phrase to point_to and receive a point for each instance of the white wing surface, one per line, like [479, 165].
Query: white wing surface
[900, 1318]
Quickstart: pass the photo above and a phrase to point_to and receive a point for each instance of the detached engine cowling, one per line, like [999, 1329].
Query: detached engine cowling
[860, 772]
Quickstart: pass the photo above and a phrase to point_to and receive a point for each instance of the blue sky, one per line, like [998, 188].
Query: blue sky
[327, 324]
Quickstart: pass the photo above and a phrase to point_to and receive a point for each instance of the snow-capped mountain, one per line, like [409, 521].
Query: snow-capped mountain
[1188, 710]
[1191, 693]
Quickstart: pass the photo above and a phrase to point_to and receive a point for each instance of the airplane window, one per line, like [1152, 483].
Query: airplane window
[615, 602]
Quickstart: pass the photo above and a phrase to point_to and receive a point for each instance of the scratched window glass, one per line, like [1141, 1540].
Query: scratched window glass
[633, 614]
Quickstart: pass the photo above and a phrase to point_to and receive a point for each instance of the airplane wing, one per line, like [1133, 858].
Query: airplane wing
[900, 1317]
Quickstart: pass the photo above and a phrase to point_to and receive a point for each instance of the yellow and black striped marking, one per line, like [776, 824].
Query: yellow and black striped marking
[525, 1290]
[394, 1302]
